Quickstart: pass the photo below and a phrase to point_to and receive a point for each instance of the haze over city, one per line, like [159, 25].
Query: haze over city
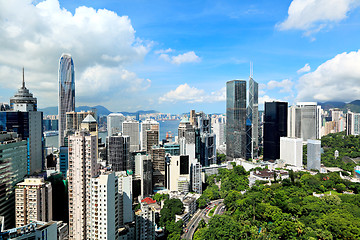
[176, 56]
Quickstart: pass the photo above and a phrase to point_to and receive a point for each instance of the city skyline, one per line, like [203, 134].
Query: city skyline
[173, 57]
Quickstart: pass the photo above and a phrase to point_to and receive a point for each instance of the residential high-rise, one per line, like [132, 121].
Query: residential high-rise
[196, 181]
[82, 167]
[66, 92]
[218, 127]
[148, 124]
[145, 220]
[252, 112]
[118, 152]
[131, 128]
[352, 123]
[236, 119]
[74, 120]
[291, 150]
[275, 126]
[313, 154]
[104, 216]
[33, 200]
[114, 123]
[13, 169]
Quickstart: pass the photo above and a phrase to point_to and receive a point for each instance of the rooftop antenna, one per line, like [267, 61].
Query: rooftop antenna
[251, 69]
[23, 83]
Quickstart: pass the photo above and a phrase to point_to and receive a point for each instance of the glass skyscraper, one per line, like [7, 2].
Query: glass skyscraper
[66, 92]
[236, 119]
[275, 126]
[252, 130]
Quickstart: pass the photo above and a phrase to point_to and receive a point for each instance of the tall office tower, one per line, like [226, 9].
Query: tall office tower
[196, 181]
[118, 152]
[131, 128]
[143, 171]
[177, 172]
[313, 154]
[193, 118]
[218, 127]
[13, 169]
[23, 100]
[352, 123]
[104, 222]
[291, 150]
[236, 119]
[158, 164]
[114, 123]
[188, 135]
[148, 124]
[275, 126]
[33, 201]
[207, 149]
[152, 138]
[145, 220]
[252, 112]
[27, 122]
[82, 167]
[66, 92]
[304, 121]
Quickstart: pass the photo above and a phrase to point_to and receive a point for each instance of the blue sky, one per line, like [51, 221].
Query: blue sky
[173, 56]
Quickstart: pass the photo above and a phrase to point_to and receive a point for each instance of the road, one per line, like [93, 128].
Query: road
[202, 214]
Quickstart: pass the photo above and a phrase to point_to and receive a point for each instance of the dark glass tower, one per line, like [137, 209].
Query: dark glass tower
[275, 126]
[66, 92]
[236, 119]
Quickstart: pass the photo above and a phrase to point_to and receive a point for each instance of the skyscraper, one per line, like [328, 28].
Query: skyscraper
[313, 154]
[236, 119]
[118, 152]
[252, 114]
[114, 123]
[23, 100]
[131, 129]
[148, 124]
[66, 92]
[275, 126]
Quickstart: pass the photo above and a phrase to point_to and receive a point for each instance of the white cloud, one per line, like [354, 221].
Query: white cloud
[164, 51]
[284, 85]
[185, 93]
[35, 36]
[336, 79]
[187, 57]
[304, 69]
[313, 15]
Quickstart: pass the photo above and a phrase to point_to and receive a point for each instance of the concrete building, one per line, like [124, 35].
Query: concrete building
[114, 123]
[82, 167]
[177, 173]
[218, 127]
[196, 179]
[33, 201]
[143, 171]
[118, 157]
[104, 219]
[236, 119]
[35, 230]
[158, 165]
[313, 154]
[131, 128]
[66, 92]
[152, 138]
[148, 124]
[13, 169]
[23, 100]
[145, 220]
[352, 123]
[63, 160]
[74, 120]
[304, 121]
[125, 187]
[291, 151]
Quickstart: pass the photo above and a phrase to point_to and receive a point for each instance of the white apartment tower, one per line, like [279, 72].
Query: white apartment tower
[82, 167]
[33, 200]
[114, 123]
[291, 150]
[313, 154]
[131, 128]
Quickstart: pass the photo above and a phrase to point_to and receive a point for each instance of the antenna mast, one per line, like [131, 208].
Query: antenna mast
[23, 83]
[251, 69]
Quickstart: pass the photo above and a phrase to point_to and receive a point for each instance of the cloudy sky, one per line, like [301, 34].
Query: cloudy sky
[173, 56]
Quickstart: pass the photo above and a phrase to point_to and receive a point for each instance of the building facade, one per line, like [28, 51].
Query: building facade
[66, 92]
[291, 150]
[131, 129]
[252, 117]
[114, 123]
[118, 157]
[313, 154]
[236, 119]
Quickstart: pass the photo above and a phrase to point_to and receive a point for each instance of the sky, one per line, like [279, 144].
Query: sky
[173, 56]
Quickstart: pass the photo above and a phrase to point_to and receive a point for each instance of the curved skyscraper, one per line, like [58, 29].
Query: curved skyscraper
[66, 92]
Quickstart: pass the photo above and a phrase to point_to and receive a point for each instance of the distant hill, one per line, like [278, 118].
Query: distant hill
[354, 106]
[101, 110]
[328, 105]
